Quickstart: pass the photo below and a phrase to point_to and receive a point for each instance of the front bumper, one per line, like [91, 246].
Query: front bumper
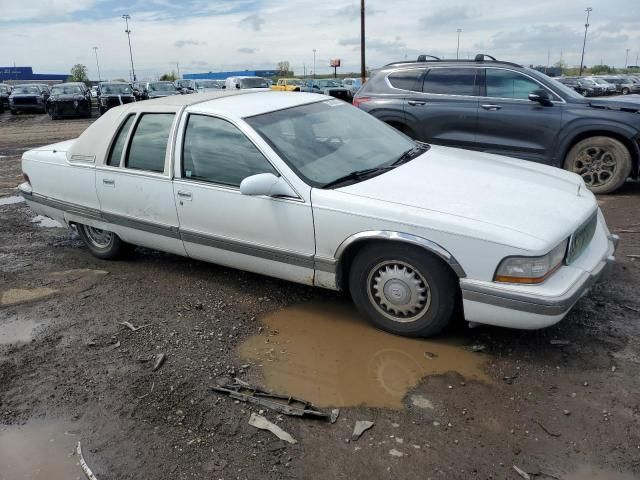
[27, 107]
[526, 307]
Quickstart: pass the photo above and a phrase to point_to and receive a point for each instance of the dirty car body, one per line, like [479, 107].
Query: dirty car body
[309, 189]
[71, 99]
[113, 94]
[27, 98]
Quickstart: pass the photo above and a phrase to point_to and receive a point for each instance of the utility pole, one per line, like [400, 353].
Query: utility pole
[178, 69]
[314, 63]
[95, 49]
[626, 59]
[458, 47]
[363, 68]
[548, 60]
[584, 43]
[128, 32]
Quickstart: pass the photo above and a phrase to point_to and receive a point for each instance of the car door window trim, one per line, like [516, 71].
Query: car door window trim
[125, 154]
[541, 85]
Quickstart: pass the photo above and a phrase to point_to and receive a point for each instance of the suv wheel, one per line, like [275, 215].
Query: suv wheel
[604, 163]
[403, 290]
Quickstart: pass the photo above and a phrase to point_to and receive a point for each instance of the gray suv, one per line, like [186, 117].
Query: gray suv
[504, 108]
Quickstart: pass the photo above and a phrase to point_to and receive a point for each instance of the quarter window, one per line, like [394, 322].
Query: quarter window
[509, 84]
[450, 81]
[406, 79]
[148, 145]
[217, 151]
[118, 145]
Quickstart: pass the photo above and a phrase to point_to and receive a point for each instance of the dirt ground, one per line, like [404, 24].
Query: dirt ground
[560, 403]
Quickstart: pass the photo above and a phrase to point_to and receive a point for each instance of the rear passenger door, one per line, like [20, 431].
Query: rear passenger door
[134, 186]
[511, 124]
[443, 108]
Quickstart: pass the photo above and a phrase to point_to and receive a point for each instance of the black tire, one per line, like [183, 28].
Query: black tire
[110, 247]
[626, 91]
[604, 163]
[13, 112]
[408, 270]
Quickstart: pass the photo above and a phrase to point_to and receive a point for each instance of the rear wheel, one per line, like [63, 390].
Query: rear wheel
[626, 91]
[604, 163]
[403, 289]
[103, 243]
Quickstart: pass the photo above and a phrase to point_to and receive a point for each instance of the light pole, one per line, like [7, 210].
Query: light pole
[128, 32]
[314, 63]
[458, 47]
[626, 59]
[584, 43]
[363, 68]
[95, 49]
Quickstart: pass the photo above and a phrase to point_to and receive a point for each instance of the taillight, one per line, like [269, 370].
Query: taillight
[26, 178]
[359, 100]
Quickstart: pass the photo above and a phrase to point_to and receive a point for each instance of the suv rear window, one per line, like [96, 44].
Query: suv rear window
[450, 81]
[406, 79]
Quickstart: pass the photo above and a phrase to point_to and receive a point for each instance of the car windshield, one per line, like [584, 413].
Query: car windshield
[26, 90]
[183, 83]
[601, 81]
[586, 81]
[328, 83]
[293, 82]
[66, 90]
[253, 83]
[327, 140]
[209, 83]
[162, 87]
[116, 89]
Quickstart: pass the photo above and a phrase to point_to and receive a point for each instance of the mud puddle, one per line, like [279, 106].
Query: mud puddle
[38, 451]
[45, 222]
[18, 331]
[14, 296]
[327, 354]
[10, 200]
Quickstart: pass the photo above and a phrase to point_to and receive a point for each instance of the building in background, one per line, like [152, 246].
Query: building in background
[224, 75]
[16, 75]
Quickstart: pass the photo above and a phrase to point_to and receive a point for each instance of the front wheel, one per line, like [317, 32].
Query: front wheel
[103, 243]
[403, 289]
[604, 163]
[626, 91]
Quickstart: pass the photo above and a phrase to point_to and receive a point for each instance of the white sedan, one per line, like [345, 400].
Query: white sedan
[310, 189]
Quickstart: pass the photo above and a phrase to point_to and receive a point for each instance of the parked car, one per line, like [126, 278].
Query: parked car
[27, 98]
[288, 85]
[623, 85]
[245, 82]
[310, 189]
[504, 108]
[185, 86]
[633, 82]
[94, 91]
[210, 85]
[112, 94]
[71, 99]
[160, 89]
[329, 87]
[578, 86]
[5, 91]
[352, 85]
[609, 88]
[138, 90]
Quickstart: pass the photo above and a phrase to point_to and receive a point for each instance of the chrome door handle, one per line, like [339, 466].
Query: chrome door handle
[109, 181]
[491, 108]
[416, 103]
[184, 195]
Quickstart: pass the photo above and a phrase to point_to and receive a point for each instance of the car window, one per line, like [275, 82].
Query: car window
[450, 81]
[406, 79]
[509, 84]
[217, 151]
[118, 145]
[149, 142]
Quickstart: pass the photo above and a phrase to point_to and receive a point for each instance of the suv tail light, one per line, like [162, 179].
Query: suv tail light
[359, 100]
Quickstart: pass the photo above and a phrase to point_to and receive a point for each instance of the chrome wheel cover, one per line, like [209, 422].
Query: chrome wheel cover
[596, 165]
[398, 291]
[99, 238]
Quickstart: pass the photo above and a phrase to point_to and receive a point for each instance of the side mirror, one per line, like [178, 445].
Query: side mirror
[266, 184]
[542, 97]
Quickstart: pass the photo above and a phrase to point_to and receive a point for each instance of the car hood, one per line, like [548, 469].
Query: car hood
[626, 103]
[66, 98]
[23, 95]
[162, 94]
[490, 191]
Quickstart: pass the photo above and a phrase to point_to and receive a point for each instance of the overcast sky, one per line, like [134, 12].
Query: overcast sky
[53, 35]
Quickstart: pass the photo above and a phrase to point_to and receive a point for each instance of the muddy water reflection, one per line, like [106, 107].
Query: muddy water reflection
[38, 451]
[17, 331]
[327, 354]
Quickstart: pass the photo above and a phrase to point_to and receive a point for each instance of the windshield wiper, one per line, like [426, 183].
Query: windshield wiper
[358, 175]
[412, 153]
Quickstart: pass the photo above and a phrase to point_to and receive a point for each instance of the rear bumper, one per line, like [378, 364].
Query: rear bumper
[490, 303]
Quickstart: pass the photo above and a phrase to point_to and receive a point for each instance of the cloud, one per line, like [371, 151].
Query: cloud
[184, 43]
[254, 20]
[199, 63]
[247, 50]
[352, 12]
[387, 46]
[445, 17]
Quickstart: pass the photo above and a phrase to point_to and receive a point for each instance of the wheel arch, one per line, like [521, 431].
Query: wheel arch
[349, 248]
[629, 143]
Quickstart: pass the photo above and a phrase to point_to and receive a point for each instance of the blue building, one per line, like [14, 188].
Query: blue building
[223, 75]
[25, 74]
